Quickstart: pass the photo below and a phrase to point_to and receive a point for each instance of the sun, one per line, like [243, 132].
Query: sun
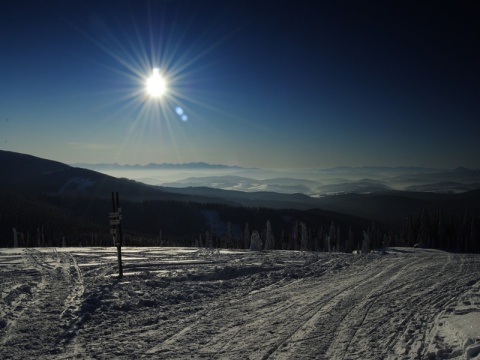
[156, 84]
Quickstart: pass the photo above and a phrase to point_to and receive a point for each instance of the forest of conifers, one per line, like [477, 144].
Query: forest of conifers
[83, 221]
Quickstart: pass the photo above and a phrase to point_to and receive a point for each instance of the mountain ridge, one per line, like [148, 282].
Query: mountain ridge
[149, 166]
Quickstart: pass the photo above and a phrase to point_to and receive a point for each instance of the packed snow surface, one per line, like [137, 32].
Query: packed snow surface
[185, 303]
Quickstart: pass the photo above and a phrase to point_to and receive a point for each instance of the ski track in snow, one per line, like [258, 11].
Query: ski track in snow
[176, 303]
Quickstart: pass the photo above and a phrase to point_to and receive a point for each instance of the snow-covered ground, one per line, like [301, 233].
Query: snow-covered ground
[179, 303]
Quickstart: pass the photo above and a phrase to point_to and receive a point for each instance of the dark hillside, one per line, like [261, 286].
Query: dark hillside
[26, 174]
[393, 207]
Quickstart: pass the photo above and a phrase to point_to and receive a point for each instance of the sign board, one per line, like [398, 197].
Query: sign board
[115, 218]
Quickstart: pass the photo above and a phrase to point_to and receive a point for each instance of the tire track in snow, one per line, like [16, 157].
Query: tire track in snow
[351, 328]
[466, 282]
[288, 309]
[18, 292]
[420, 303]
[288, 325]
[323, 326]
[56, 290]
[206, 324]
[426, 301]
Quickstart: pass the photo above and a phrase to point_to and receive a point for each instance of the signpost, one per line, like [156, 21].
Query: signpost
[116, 229]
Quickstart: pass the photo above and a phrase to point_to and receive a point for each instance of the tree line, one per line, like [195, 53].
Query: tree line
[83, 221]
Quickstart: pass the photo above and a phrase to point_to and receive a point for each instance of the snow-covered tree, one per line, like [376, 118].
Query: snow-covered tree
[269, 239]
[327, 243]
[208, 241]
[255, 241]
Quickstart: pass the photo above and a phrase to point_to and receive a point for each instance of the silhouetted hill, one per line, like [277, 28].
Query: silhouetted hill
[444, 187]
[245, 184]
[391, 208]
[27, 174]
[364, 186]
[252, 199]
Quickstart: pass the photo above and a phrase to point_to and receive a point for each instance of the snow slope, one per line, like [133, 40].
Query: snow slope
[184, 303]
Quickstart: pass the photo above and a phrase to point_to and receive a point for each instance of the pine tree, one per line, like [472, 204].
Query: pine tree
[327, 243]
[269, 239]
[229, 236]
[304, 235]
[332, 235]
[284, 241]
[317, 246]
[321, 239]
[466, 224]
[246, 237]
[15, 238]
[340, 244]
[366, 242]
[255, 241]
[213, 238]
[441, 240]
[295, 237]
[423, 233]
[349, 242]
[474, 237]
[208, 241]
[460, 244]
[411, 232]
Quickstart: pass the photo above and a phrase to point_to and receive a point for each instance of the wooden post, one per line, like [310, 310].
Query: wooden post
[116, 229]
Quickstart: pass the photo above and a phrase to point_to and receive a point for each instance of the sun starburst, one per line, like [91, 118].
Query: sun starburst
[156, 84]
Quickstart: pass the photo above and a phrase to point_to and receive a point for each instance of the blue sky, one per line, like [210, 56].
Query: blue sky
[272, 84]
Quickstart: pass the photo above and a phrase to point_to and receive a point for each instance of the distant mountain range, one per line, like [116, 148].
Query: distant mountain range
[152, 166]
[401, 170]
[316, 182]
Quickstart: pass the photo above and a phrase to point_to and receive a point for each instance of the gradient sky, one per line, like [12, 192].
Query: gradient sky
[272, 84]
